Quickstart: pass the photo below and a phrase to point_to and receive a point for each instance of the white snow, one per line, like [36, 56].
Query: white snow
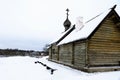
[61, 35]
[86, 29]
[24, 68]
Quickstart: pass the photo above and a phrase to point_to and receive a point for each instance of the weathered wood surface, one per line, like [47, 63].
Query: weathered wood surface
[79, 54]
[65, 53]
[53, 52]
[104, 46]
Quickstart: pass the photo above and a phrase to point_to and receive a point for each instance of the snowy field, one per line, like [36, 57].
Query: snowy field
[24, 68]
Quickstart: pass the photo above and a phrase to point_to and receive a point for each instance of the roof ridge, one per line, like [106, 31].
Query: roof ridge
[94, 17]
[100, 14]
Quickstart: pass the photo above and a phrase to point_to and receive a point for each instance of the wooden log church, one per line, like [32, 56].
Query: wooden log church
[93, 46]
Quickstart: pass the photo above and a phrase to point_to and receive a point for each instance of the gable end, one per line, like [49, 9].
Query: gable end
[111, 15]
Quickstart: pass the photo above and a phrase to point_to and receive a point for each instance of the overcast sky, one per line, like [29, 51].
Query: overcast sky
[30, 24]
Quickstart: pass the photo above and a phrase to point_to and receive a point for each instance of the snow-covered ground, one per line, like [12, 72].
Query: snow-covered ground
[24, 68]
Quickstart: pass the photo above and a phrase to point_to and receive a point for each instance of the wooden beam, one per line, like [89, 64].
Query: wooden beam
[73, 48]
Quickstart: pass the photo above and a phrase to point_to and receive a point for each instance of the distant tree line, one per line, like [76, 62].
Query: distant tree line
[17, 52]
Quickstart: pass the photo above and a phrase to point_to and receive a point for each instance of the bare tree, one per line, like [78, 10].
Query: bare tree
[45, 48]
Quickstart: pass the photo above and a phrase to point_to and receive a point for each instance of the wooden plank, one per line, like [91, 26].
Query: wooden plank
[104, 46]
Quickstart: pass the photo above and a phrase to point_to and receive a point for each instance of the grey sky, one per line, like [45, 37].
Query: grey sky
[30, 24]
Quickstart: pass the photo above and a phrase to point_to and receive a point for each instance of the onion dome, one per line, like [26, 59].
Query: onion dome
[67, 22]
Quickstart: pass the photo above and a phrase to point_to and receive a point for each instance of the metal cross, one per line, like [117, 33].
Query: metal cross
[67, 12]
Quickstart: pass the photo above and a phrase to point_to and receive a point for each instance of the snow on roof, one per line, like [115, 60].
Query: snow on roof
[62, 34]
[87, 29]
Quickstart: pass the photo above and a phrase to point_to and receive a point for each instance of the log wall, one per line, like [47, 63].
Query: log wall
[104, 46]
[79, 54]
[65, 53]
